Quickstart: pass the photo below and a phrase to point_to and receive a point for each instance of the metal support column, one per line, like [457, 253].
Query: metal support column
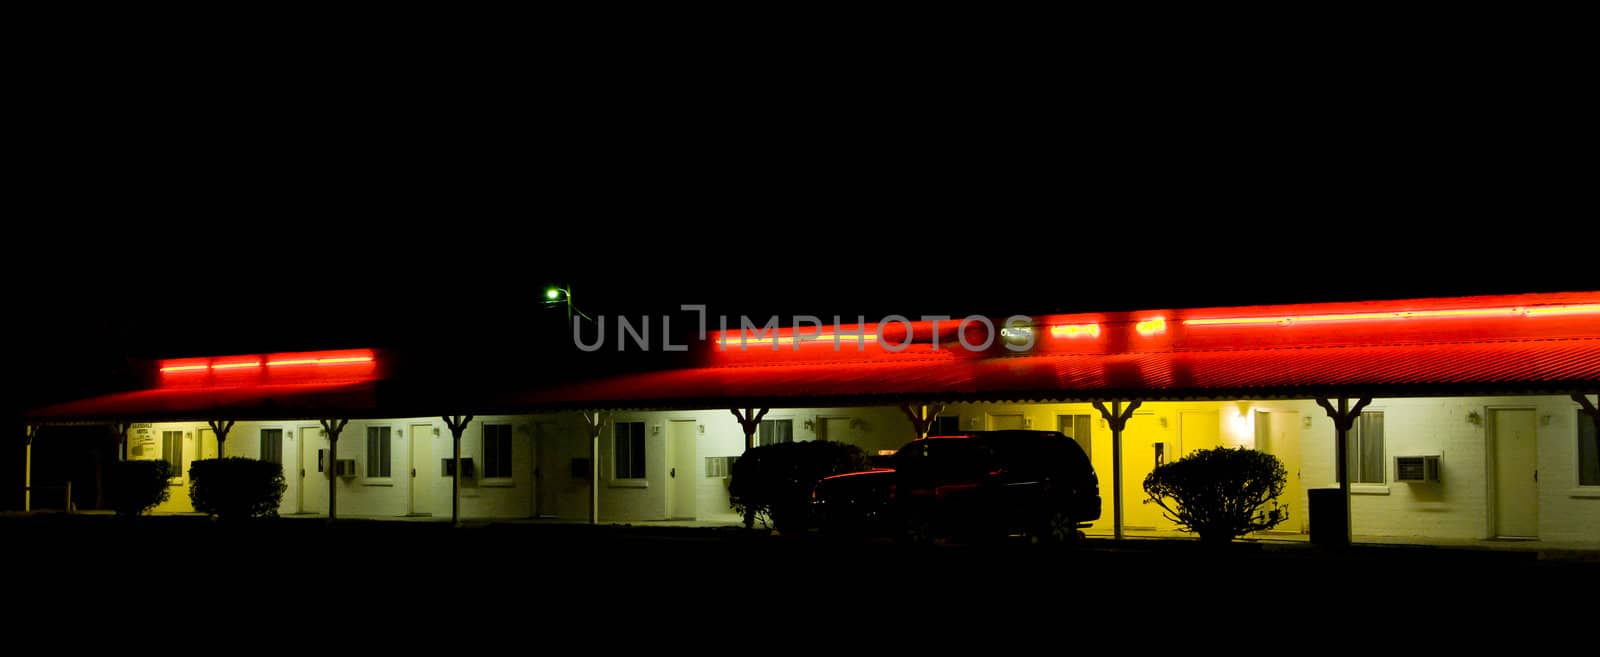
[330, 465]
[458, 425]
[1117, 417]
[1343, 417]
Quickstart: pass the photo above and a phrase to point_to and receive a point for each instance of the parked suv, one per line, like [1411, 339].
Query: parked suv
[985, 483]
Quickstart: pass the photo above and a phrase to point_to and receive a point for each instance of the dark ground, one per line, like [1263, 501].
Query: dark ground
[534, 585]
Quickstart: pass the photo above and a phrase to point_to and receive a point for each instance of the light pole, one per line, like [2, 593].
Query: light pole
[558, 294]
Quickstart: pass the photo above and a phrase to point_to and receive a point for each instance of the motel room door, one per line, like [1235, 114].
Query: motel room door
[206, 440]
[313, 484]
[546, 468]
[1516, 473]
[1278, 434]
[289, 460]
[1145, 442]
[421, 451]
[681, 480]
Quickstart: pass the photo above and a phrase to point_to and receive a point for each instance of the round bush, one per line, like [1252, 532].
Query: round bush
[134, 487]
[236, 487]
[774, 482]
[1220, 493]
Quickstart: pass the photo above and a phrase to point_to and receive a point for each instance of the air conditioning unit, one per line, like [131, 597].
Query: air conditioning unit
[448, 468]
[1423, 469]
[347, 467]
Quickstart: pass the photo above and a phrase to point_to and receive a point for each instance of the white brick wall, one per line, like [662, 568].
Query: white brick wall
[1457, 508]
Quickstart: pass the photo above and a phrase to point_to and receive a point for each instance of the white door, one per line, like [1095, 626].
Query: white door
[1278, 434]
[546, 467]
[1516, 473]
[421, 437]
[1145, 443]
[207, 444]
[681, 459]
[289, 458]
[313, 484]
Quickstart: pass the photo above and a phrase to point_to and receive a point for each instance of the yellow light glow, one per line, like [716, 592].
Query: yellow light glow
[1075, 331]
[886, 452]
[1402, 314]
[1151, 326]
[1562, 310]
[804, 338]
[236, 366]
[320, 361]
[184, 368]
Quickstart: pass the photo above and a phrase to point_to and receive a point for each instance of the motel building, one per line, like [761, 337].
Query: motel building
[1464, 418]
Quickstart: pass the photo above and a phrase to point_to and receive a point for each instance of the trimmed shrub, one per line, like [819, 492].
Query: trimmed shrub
[773, 483]
[236, 487]
[134, 487]
[1220, 493]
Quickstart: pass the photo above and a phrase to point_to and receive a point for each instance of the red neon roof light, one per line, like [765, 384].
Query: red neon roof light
[1518, 311]
[279, 368]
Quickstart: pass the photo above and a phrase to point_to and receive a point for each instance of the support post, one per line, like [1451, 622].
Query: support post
[27, 467]
[221, 428]
[330, 465]
[596, 421]
[1117, 417]
[458, 425]
[921, 416]
[750, 422]
[1344, 417]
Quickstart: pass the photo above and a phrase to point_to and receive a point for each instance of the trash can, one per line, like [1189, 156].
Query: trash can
[1328, 518]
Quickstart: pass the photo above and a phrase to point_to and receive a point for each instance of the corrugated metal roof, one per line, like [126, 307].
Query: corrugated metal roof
[234, 402]
[1524, 366]
[1500, 350]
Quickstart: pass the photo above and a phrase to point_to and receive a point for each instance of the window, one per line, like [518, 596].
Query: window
[172, 451]
[272, 446]
[497, 451]
[1588, 455]
[772, 432]
[1076, 427]
[628, 441]
[378, 452]
[1366, 450]
[947, 425]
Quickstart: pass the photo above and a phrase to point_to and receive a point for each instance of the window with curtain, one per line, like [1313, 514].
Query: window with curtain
[378, 454]
[1075, 427]
[1588, 454]
[272, 445]
[172, 451]
[1365, 449]
[497, 451]
[772, 432]
[628, 448]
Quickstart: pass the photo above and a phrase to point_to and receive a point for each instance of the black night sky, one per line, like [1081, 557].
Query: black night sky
[259, 211]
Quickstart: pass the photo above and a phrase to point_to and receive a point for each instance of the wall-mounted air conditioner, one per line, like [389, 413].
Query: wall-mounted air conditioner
[1422, 469]
[448, 468]
[347, 467]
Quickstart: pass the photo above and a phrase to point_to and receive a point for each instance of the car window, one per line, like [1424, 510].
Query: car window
[944, 460]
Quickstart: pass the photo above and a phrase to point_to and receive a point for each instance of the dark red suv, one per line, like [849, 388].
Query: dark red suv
[985, 483]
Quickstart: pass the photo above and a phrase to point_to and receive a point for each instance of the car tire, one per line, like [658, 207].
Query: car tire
[916, 528]
[1057, 527]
